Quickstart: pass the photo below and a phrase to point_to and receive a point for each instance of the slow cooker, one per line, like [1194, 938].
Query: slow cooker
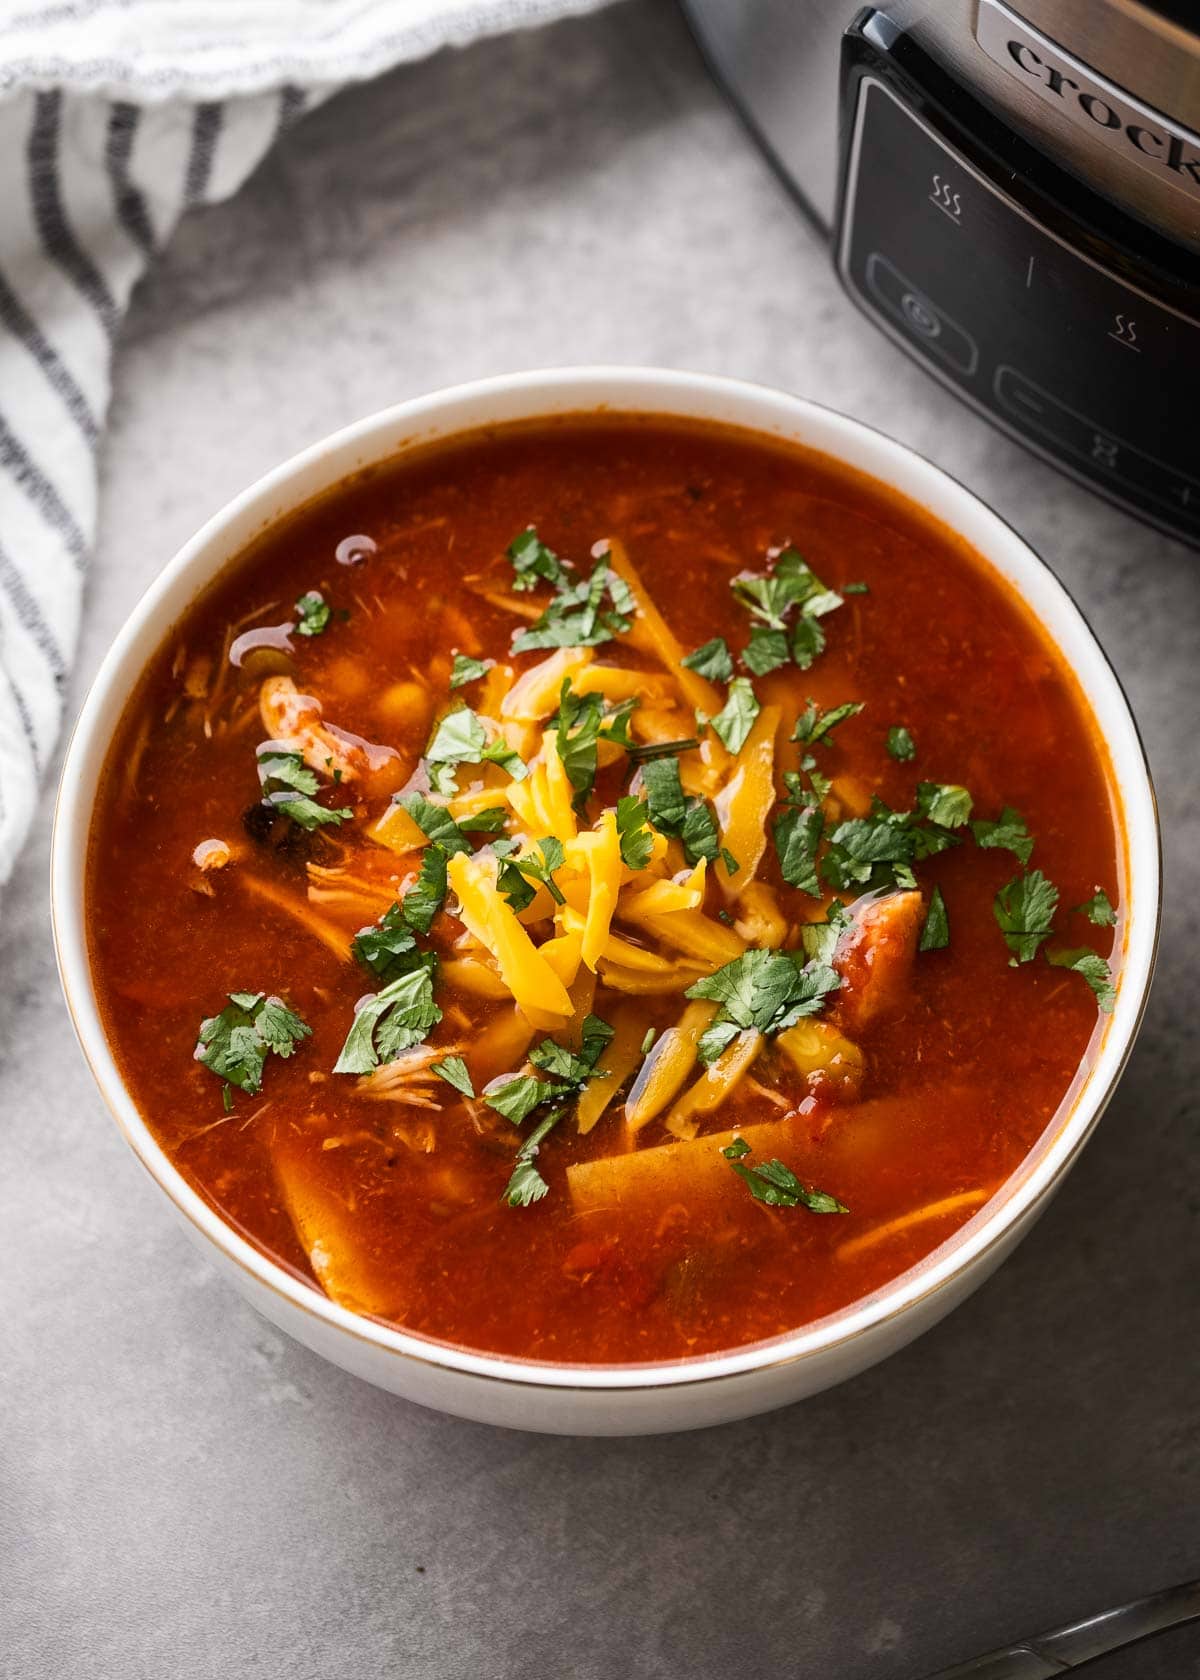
[1012, 194]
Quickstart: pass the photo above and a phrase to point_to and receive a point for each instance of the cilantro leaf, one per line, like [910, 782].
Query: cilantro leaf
[578, 616]
[935, 935]
[518, 893]
[491, 821]
[1094, 970]
[456, 1073]
[583, 720]
[305, 811]
[856, 589]
[312, 613]
[767, 990]
[460, 738]
[820, 939]
[515, 873]
[633, 833]
[435, 822]
[665, 801]
[712, 660]
[900, 744]
[813, 725]
[944, 803]
[279, 770]
[533, 562]
[516, 1098]
[797, 831]
[700, 836]
[288, 785]
[735, 720]
[777, 1185]
[236, 1043]
[1008, 833]
[387, 947]
[766, 650]
[526, 1185]
[398, 1017]
[808, 640]
[791, 582]
[466, 670]
[426, 896]
[859, 845]
[1098, 909]
[1024, 909]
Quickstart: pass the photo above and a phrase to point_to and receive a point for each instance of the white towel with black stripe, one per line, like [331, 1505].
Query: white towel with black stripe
[115, 116]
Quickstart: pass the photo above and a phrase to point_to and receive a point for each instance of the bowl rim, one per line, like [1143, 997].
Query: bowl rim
[643, 391]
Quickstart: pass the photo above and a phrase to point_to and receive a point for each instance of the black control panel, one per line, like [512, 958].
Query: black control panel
[956, 257]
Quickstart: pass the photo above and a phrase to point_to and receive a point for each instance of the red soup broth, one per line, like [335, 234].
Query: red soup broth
[396, 1207]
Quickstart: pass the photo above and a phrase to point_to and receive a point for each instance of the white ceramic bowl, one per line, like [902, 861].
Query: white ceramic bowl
[617, 1400]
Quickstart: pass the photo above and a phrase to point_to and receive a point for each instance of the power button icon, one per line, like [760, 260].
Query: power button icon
[920, 316]
[922, 320]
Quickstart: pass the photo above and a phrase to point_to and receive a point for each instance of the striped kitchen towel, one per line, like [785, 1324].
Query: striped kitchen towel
[115, 116]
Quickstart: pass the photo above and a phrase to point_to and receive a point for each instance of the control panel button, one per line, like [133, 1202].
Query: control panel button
[920, 316]
[1044, 414]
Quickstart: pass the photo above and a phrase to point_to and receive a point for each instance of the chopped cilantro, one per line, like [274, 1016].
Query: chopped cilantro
[820, 939]
[867, 852]
[400, 1016]
[944, 803]
[797, 831]
[767, 990]
[534, 563]
[425, 897]
[735, 720]
[1094, 970]
[935, 935]
[526, 1184]
[582, 722]
[808, 640]
[633, 833]
[712, 661]
[813, 725]
[236, 1043]
[665, 800]
[288, 785]
[856, 589]
[1098, 909]
[456, 1073]
[312, 613]
[515, 873]
[435, 822]
[1008, 833]
[671, 812]
[460, 738]
[490, 821]
[388, 947]
[777, 1185]
[305, 811]
[466, 670]
[517, 1096]
[900, 744]
[766, 650]
[1024, 910]
[791, 582]
[578, 615]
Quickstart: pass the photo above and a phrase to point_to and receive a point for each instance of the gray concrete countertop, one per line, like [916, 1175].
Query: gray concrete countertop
[184, 1493]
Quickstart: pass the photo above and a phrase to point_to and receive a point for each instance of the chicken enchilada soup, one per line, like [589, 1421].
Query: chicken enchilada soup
[609, 889]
